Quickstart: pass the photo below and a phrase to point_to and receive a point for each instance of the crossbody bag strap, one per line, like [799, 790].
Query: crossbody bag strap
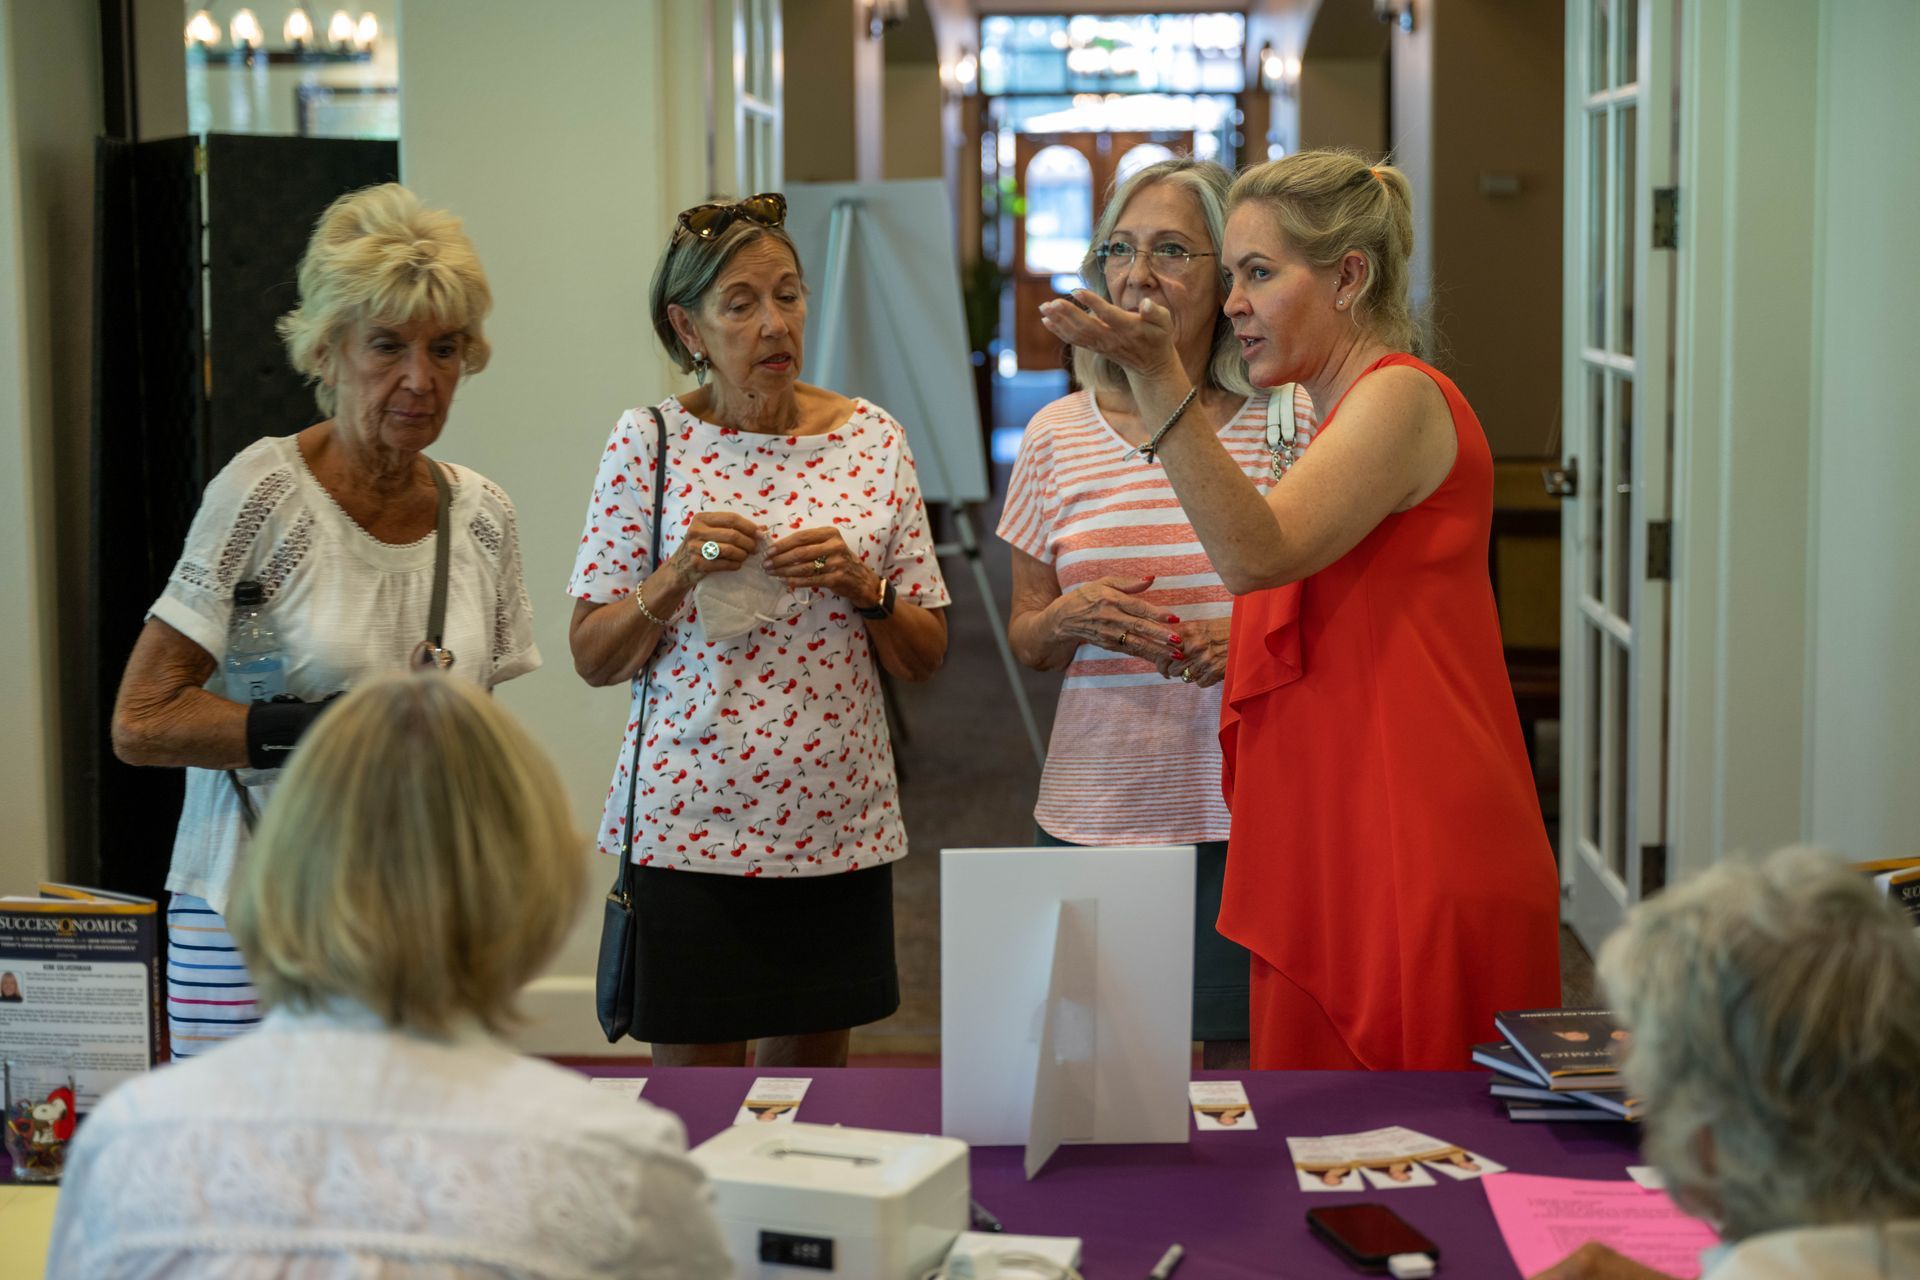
[442, 554]
[646, 677]
[249, 816]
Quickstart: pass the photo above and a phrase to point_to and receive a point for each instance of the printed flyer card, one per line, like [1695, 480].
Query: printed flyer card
[773, 1100]
[1322, 1164]
[1385, 1159]
[626, 1086]
[1462, 1165]
[1220, 1104]
[1396, 1175]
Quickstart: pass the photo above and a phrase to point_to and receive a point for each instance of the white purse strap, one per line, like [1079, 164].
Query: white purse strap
[1282, 429]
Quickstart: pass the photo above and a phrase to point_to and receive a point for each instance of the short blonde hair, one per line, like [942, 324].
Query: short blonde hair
[1775, 1003]
[379, 254]
[1331, 203]
[419, 857]
[1207, 183]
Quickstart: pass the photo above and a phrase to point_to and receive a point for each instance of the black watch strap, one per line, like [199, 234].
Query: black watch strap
[885, 608]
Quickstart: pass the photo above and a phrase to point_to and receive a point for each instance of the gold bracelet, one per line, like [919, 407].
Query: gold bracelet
[640, 598]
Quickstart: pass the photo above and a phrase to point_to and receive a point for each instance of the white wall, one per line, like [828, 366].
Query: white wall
[912, 124]
[568, 147]
[1863, 636]
[1796, 707]
[24, 699]
[49, 113]
[1343, 104]
[1743, 341]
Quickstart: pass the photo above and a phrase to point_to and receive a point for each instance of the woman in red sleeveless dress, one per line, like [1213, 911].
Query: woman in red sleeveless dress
[1388, 867]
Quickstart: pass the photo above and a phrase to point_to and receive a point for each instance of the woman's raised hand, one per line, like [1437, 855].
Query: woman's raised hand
[1111, 614]
[1141, 342]
[730, 538]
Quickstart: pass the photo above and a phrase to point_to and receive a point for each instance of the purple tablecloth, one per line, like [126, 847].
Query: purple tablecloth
[1230, 1198]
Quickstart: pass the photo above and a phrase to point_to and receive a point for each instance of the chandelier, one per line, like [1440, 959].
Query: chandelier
[346, 39]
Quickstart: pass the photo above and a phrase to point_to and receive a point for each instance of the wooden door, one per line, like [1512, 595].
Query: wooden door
[1064, 180]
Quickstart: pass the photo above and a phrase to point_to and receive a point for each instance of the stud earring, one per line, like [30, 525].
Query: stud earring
[700, 366]
[1342, 303]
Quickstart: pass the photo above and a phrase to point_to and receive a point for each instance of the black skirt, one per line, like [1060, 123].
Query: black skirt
[724, 958]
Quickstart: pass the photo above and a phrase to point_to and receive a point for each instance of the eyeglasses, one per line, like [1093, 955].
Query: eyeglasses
[709, 221]
[1117, 257]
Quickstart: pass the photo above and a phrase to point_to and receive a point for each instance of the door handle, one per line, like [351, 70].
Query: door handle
[1561, 481]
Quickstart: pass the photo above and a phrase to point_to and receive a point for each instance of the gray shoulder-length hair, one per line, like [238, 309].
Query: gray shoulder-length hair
[1775, 1005]
[688, 269]
[1208, 184]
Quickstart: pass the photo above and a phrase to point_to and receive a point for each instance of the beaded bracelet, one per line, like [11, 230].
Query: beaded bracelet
[1152, 446]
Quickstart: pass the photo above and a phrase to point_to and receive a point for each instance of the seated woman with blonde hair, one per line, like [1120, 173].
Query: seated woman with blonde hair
[417, 867]
[1775, 1017]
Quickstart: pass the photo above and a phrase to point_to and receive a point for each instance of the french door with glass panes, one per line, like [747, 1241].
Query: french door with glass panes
[759, 114]
[1617, 398]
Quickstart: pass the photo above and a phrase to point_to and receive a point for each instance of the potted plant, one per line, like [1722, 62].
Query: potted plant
[982, 281]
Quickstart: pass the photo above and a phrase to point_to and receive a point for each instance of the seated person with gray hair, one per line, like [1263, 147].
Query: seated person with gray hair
[418, 865]
[1775, 1014]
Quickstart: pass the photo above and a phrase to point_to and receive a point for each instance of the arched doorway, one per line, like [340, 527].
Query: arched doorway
[1064, 180]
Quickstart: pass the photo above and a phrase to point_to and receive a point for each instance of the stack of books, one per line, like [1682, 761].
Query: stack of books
[1558, 1064]
[1899, 879]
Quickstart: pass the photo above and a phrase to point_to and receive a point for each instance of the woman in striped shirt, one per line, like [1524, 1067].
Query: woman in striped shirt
[1110, 583]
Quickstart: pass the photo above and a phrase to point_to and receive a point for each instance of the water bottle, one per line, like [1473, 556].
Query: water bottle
[256, 669]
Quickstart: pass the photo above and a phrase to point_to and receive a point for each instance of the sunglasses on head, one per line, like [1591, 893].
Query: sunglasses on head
[708, 221]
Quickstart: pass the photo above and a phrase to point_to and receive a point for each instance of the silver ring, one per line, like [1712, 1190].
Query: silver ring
[709, 550]
[1186, 675]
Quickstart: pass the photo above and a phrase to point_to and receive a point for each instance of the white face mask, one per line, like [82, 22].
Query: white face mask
[732, 604]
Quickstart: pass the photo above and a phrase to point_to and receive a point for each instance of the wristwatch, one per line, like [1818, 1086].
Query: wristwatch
[884, 607]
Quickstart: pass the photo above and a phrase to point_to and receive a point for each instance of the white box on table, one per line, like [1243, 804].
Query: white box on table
[822, 1200]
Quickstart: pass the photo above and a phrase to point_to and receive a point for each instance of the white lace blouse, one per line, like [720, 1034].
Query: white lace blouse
[345, 607]
[325, 1146]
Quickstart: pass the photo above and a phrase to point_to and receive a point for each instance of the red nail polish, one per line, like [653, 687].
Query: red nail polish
[1172, 621]
[1175, 641]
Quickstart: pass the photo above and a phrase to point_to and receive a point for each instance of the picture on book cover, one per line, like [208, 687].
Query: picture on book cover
[1567, 1048]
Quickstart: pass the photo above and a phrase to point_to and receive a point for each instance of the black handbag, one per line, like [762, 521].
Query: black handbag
[617, 973]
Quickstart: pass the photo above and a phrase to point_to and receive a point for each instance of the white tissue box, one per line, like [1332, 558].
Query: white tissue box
[821, 1200]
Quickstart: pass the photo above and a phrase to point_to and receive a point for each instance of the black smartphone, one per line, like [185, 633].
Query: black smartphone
[1366, 1235]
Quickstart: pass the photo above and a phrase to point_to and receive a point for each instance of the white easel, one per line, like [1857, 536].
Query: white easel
[904, 310]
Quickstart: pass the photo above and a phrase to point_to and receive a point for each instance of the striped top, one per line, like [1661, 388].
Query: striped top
[1135, 757]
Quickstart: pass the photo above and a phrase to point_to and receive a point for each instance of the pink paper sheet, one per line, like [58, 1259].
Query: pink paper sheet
[1545, 1219]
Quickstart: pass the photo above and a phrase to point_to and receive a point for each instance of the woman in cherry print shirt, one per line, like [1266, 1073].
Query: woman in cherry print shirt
[766, 809]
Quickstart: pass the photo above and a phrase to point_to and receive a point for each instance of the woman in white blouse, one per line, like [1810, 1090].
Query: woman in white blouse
[336, 528]
[1774, 1012]
[418, 866]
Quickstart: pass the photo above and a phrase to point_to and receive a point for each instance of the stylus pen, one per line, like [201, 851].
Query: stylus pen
[1168, 1261]
[983, 1219]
